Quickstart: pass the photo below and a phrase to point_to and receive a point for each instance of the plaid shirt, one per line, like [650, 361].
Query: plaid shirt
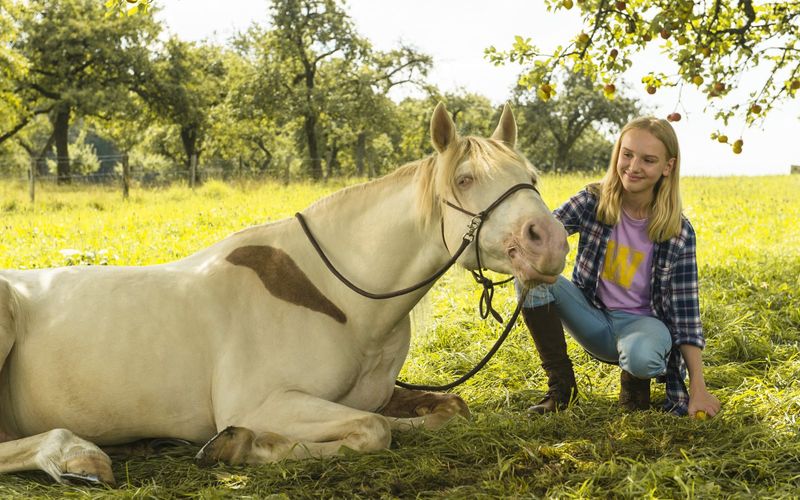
[674, 297]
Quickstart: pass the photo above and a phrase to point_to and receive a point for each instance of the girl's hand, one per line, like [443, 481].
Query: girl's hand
[702, 400]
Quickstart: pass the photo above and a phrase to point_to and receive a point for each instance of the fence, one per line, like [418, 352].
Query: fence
[117, 170]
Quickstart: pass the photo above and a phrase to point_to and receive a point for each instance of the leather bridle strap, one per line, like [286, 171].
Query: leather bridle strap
[472, 232]
[485, 304]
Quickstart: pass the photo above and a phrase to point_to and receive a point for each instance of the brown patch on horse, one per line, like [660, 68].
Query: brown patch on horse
[284, 279]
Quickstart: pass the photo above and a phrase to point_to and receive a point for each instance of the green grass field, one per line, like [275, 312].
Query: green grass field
[749, 256]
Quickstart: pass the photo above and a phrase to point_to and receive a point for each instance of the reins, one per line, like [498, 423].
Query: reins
[485, 305]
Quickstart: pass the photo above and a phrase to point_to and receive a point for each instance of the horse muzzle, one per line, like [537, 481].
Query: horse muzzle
[538, 251]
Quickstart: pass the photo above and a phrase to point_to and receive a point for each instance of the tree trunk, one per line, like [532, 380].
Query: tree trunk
[561, 161]
[315, 169]
[61, 135]
[361, 153]
[333, 161]
[189, 140]
[41, 160]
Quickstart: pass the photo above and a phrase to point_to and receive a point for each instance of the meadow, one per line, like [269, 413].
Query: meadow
[749, 257]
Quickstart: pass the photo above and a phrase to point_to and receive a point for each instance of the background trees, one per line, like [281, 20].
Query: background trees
[301, 94]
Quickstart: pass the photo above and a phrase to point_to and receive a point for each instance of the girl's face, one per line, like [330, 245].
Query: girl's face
[642, 161]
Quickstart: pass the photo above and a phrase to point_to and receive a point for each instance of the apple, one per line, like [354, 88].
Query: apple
[583, 39]
[651, 89]
[698, 80]
[620, 5]
[567, 4]
[613, 54]
[722, 139]
[795, 84]
[674, 117]
[665, 33]
[610, 88]
[755, 109]
[647, 37]
[719, 86]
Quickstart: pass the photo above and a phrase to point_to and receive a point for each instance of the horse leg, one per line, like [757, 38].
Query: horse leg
[60, 453]
[409, 409]
[309, 426]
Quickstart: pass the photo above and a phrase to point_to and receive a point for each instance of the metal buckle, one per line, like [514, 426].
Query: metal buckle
[474, 224]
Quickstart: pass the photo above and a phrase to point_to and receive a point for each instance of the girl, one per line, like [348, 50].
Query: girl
[633, 298]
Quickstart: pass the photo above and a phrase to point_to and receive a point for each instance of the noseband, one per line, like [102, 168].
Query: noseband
[472, 234]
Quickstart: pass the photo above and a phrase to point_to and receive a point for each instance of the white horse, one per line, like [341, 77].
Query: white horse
[252, 343]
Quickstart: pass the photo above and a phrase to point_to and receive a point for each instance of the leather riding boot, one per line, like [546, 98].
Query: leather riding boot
[548, 336]
[634, 393]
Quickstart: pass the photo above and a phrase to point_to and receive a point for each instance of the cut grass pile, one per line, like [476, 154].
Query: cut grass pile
[749, 256]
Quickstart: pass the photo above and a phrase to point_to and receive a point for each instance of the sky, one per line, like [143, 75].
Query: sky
[456, 32]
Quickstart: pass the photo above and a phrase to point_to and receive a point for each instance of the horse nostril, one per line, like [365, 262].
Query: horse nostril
[532, 234]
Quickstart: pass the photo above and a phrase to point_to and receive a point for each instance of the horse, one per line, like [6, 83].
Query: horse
[252, 346]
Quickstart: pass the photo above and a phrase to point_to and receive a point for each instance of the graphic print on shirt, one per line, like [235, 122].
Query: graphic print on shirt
[621, 264]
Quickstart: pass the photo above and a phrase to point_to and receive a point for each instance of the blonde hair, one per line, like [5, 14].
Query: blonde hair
[666, 208]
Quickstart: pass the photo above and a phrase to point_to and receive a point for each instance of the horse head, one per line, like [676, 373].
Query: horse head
[519, 235]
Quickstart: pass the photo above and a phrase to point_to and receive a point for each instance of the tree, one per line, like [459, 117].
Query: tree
[306, 33]
[248, 127]
[563, 133]
[81, 62]
[13, 116]
[184, 85]
[712, 43]
[360, 111]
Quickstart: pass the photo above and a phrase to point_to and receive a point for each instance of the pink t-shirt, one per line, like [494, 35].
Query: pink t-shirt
[625, 279]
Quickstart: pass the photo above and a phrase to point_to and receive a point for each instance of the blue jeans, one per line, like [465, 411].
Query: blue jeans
[639, 344]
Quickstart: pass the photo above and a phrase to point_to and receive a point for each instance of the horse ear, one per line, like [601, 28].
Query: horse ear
[506, 130]
[443, 130]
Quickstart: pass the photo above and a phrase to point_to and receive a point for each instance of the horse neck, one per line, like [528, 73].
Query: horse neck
[372, 236]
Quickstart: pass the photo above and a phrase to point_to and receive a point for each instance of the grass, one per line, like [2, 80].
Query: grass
[749, 256]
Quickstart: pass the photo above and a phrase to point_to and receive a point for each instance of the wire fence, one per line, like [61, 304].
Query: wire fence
[118, 170]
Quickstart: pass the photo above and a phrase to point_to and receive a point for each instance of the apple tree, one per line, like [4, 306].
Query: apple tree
[712, 43]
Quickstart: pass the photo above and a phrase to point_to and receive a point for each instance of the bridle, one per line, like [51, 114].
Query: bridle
[472, 234]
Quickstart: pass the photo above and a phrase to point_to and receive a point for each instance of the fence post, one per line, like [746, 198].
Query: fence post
[192, 170]
[32, 180]
[126, 177]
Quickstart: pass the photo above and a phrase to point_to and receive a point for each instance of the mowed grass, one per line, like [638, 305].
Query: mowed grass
[749, 256]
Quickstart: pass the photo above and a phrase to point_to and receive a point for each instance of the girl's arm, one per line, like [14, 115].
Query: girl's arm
[699, 397]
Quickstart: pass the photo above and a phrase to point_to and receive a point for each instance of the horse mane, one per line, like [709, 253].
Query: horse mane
[435, 175]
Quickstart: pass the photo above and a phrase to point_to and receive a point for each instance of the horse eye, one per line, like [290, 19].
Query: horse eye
[464, 181]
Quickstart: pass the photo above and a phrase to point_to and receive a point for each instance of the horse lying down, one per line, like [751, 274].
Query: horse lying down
[251, 345]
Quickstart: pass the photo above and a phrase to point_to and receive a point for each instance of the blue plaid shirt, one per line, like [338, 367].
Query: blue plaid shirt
[674, 297]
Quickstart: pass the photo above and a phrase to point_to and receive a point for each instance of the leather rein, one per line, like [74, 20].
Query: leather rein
[472, 234]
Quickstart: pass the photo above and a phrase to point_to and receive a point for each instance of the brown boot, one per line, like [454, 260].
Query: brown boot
[548, 336]
[634, 393]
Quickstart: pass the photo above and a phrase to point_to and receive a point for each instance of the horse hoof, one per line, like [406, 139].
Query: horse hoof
[89, 470]
[231, 446]
[81, 479]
